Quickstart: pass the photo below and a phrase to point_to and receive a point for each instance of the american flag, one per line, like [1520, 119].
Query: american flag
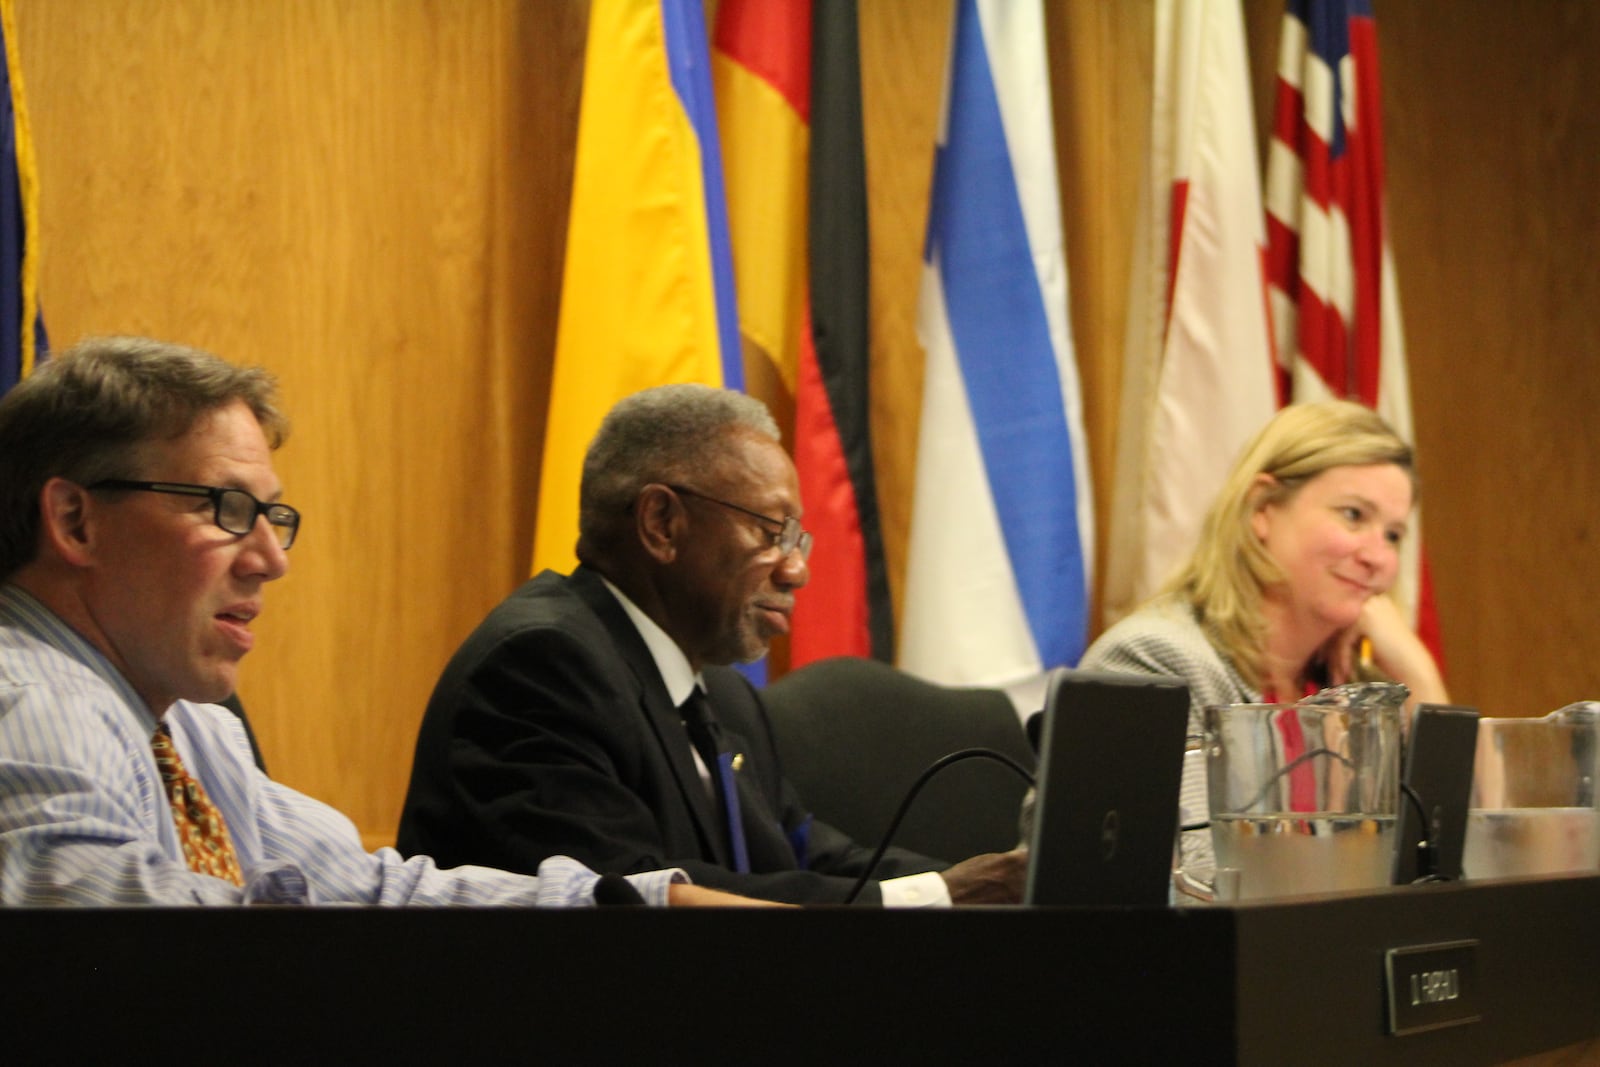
[1331, 281]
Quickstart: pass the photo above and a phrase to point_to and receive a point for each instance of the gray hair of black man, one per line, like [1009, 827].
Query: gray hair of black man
[662, 435]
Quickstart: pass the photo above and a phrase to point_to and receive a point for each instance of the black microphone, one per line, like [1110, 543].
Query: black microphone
[615, 891]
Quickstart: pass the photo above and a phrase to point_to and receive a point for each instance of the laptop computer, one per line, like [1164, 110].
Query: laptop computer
[1110, 759]
[1438, 768]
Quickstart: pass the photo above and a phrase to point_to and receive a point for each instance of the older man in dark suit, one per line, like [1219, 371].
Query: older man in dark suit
[594, 715]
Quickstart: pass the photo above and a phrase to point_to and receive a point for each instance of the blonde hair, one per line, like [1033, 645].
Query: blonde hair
[1225, 578]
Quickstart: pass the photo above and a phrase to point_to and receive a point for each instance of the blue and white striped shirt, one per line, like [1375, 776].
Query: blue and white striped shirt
[84, 818]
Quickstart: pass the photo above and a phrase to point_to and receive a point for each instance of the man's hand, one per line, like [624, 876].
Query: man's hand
[993, 878]
[682, 895]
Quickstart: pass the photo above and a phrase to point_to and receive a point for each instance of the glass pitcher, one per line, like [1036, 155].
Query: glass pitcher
[1303, 796]
[1534, 798]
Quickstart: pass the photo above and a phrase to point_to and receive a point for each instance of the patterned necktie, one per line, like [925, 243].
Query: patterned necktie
[206, 844]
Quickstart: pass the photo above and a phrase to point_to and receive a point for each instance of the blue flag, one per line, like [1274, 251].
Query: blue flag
[997, 582]
[22, 339]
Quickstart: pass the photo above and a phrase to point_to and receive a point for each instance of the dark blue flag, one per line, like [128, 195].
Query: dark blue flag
[22, 337]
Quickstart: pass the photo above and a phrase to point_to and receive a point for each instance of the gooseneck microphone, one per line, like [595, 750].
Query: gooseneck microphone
[911, 795]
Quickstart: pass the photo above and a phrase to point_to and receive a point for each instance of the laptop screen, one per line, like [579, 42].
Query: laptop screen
[1110, 760]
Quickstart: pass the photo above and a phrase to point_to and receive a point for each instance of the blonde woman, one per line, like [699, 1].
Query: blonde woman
[1288, 578]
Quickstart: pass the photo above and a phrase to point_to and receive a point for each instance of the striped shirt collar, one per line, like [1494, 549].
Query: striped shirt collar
[23, 611]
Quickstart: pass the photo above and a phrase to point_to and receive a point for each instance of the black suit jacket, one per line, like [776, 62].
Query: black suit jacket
[551, 733]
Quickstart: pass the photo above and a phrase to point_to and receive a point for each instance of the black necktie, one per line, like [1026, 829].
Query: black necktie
[706, 736]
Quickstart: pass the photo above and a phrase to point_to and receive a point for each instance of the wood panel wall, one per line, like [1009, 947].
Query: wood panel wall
[369, 198]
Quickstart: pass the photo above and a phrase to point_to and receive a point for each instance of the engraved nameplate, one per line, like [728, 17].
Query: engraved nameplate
[1432, 986]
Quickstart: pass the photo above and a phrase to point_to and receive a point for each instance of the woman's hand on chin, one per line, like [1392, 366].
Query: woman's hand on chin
[1397, 652]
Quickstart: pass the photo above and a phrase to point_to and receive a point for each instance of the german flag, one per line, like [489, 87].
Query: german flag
[788, 83]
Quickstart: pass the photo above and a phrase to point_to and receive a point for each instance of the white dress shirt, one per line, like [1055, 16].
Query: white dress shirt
[926, 890]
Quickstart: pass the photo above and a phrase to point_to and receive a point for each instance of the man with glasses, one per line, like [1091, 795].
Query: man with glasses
[595, 714]
[139, 525]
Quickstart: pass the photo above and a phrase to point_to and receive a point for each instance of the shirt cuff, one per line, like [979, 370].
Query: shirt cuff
[927, 890]
[563, 882]
[652, 885]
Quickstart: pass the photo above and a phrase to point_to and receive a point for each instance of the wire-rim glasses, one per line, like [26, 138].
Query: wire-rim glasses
[788, 536]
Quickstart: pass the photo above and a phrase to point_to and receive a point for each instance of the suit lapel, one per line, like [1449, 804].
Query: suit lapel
[658, 711]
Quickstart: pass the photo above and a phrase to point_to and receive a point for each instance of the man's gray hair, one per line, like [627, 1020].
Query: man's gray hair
[84, 413]
[665, 434]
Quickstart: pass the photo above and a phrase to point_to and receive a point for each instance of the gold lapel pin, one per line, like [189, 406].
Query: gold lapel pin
[738, 761]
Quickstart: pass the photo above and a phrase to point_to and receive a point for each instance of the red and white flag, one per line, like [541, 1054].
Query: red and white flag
[1335, 303]
[1198, 379]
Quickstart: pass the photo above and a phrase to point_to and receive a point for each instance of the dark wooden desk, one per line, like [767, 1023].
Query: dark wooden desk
[1288, 983]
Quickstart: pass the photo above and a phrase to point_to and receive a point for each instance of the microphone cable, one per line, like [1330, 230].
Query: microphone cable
[1427, 848]
[911, 795]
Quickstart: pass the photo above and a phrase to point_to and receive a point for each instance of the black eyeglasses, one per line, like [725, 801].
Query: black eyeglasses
[232, 509]
[786, 538]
